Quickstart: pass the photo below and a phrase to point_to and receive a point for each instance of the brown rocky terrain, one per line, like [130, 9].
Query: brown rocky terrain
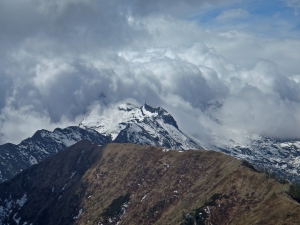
[131, 184]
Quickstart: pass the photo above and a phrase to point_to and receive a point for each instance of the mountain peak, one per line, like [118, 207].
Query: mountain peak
[151, 109]
[145, 125]
[127, 107]
[159, 111]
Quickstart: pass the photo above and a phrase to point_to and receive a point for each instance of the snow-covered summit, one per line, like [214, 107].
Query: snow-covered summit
[143, 125]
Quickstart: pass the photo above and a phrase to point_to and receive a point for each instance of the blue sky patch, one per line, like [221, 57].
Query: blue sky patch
[266, 18]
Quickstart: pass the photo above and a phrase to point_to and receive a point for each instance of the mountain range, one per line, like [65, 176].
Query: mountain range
[282, 158]
[15, 158]
[145, 125]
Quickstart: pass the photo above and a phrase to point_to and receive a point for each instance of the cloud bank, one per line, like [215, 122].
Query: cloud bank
[60, 59]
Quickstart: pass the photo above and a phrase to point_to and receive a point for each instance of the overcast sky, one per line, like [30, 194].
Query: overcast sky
[220, 67]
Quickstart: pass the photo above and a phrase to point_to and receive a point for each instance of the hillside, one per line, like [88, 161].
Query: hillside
[130, 184]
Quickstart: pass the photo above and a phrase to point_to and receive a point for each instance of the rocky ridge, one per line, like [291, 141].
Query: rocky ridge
[15, 158]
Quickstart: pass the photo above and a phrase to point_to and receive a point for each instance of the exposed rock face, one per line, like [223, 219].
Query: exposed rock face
[143, 125]
[15, 158]
[130, 184]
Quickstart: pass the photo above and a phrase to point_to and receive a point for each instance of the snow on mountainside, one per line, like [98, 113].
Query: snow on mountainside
[279, 157]
[143, 125]
[15, 158]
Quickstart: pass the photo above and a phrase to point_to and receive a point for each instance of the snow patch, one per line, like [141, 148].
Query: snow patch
[32, 160]
[9, 206]
[79, 214]
[143, 198]
[15, 219]
[73, 174]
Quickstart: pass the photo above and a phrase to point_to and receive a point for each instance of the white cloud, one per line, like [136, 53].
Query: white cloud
[252, 99]
[18, 124]
[232, 14]
[245, 49]
[295, 4]
[46, 73]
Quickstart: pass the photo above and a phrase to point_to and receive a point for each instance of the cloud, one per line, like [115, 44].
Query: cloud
[258, 100]
[256, 112]
[232, 14]
[295, 4]
[231, 44]
[16, 124]
[59, 59]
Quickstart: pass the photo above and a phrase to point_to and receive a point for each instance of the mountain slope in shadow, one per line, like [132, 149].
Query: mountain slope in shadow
[131, 184]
